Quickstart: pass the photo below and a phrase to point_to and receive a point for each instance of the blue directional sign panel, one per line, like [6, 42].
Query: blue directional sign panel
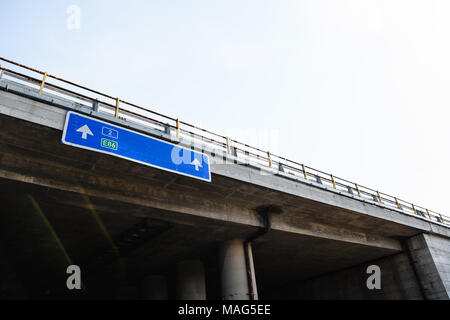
[99, 136]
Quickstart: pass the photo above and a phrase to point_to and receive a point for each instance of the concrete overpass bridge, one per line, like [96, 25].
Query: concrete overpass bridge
[264, 227]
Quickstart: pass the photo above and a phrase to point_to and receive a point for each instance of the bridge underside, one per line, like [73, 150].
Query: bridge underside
[115, 243]
[121, 221]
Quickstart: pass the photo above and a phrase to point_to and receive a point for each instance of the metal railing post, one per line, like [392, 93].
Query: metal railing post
[332, 180]
[414, 208]
[357, 189]
[379, 197]
[397, 203]
[304, 172]
[95, 105]
[43, 83]
[116, 113]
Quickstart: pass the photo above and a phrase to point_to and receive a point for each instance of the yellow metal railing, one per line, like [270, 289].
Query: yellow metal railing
[223, 146]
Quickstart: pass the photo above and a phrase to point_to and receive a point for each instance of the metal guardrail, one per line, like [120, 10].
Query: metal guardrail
[217, 144]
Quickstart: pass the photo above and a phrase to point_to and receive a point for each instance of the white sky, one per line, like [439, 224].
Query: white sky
[359, 89]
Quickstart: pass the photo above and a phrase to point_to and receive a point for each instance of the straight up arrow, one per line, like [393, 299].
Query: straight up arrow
[197, 164]
[85, 131]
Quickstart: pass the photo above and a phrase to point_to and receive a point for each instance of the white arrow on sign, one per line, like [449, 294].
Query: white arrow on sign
[197, 164]
[85, 131]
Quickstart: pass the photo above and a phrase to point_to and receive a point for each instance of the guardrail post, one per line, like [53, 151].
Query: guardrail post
[178, 128]
[350, 190]
[442, 218]
[235, 150]
[270, 160]
[116, 113]
[95, 105]
[428, 213]
[318, 179]
[43, 82]
[414, 208]
[167, 129]
[192, 141]
[357, 190]
[379, 197]
[332, 180]
[228, 146]
[234, 153]
[397, 203]
[304, 172]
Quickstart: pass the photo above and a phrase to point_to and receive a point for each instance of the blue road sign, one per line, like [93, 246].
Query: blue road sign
[88, 133]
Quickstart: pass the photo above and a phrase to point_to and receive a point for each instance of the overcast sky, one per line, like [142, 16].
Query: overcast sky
[359, 89]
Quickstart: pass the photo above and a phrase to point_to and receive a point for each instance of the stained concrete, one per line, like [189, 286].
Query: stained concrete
[233, 271]
[431, 257]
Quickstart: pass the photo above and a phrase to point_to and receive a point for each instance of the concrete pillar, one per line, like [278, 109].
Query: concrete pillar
[154, 288]
[431, 259]
[127, 292]
[190, 280]
[233, 271]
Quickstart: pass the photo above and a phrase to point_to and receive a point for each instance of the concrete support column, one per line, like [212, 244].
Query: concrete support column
[190, 280]
[233, 271]
[127, 292]
[154, 288]
[431, 258]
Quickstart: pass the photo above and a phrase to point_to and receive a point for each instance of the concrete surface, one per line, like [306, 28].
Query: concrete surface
[431, 257]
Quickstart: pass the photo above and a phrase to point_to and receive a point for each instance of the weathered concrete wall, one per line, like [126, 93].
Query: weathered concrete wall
[398, 281]
[431, 257]
[423, 275]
